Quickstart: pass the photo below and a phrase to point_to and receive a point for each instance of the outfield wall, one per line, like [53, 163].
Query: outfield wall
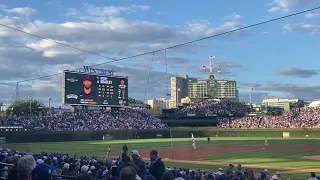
[46, 136]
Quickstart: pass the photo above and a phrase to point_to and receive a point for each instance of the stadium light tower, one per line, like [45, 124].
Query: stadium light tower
[49, 103]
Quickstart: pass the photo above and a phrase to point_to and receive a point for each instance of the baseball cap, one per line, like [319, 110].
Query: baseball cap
[87, 77]
[220, 169]
[84, 168]
[135, 152]
[266, 170]
[66, 166]
[154, 152]
[42, 172]
[40, 161]
[278, 173]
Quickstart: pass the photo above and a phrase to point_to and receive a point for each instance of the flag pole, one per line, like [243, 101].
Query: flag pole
[250, 98]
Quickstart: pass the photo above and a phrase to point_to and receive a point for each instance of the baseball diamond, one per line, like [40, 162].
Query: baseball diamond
[286, 155]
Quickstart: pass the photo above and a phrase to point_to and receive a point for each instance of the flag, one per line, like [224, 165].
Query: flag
[212, 57]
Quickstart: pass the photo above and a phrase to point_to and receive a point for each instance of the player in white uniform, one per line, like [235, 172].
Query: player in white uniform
[194, 144]
[266, 141]
[109, 150]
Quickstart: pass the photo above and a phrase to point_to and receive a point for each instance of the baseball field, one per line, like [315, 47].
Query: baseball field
[295, 158]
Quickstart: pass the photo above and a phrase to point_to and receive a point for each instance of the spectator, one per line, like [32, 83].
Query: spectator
[42, 172]
[126, 163]
[128, 173]
[157, 167]
[276, 176]
[229, 170]
[313, 176]
[139, 163]
[25, 166]
[168, 176]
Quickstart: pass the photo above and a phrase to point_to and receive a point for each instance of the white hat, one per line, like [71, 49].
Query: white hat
[44, 157]
[54, 158]
[84, 168]
[66, 166]
[135, 152]
[220, 169]
[92, 167]
[40, 161]
[278, 173]
[266, 170]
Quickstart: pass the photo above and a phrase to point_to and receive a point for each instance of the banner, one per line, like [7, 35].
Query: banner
[286, 134]
[107, 137]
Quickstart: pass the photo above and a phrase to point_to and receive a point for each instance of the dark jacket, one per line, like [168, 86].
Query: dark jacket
[142, 167]
[157, 169]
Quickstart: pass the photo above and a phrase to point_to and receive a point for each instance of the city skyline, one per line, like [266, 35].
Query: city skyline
[278, 58]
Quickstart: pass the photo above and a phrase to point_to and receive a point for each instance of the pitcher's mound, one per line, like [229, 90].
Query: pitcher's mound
[312, 157]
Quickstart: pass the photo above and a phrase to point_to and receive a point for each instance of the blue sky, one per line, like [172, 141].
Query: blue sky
[280, 58]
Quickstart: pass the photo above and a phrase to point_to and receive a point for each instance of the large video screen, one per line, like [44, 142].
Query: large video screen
[89, 89]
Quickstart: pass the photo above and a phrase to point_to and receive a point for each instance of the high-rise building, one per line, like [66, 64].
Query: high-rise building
[179, 88]
[213, 89]
[161, 103]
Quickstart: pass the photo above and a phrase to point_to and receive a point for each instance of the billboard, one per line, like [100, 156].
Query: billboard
[91, 89]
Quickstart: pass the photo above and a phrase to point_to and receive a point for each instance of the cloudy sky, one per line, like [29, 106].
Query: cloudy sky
[279, 58]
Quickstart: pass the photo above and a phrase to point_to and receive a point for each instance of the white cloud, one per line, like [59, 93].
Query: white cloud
[26, 11]
[312, 15]
[308, 28]
[234, 17]
[95, 12]
[24, 57]
[287, 5]
[277, 9]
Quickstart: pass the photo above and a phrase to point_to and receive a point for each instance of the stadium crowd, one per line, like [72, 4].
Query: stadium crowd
[129, 166]
[305, 117]
[215, 107]
[89, 120]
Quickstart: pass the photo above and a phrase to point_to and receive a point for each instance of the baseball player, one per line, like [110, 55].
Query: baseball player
[194, 144]
[109, 150]
[266, 141]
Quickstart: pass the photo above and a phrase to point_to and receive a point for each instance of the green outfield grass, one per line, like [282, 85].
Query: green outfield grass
[287, 158]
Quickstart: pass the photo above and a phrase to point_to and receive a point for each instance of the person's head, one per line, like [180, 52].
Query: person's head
[250, 174]
[153, 155]
[128, 173]
[84, 177]
[313, 174]
[168, 176]
[239, 167]
[231, 166]
[42, 172]
[25, 166]
[135, 154]
[87, 83]
[278, 173]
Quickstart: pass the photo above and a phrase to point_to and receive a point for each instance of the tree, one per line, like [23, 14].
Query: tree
[25, 107]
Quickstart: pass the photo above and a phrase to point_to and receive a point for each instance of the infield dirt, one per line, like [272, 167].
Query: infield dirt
[192, 156]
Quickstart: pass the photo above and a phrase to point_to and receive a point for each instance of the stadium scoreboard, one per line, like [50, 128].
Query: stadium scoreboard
[91, 89]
